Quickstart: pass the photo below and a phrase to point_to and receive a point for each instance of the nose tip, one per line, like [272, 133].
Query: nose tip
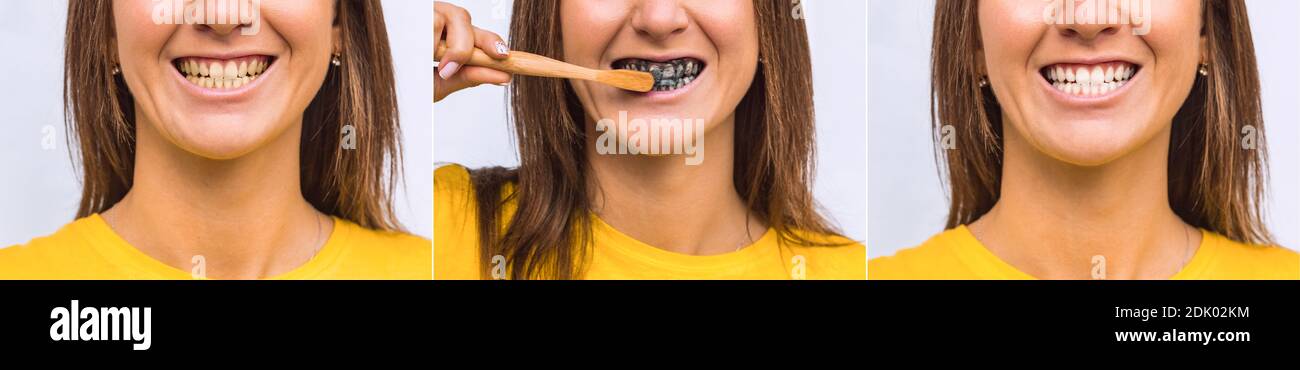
[1087, 31]
[660, 19]
[1089, 21]
[223, 29]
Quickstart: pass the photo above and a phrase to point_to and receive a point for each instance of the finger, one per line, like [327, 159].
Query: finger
[460, 42]
[469, 76]
[491, 43]
[474, 76]
[438, 23]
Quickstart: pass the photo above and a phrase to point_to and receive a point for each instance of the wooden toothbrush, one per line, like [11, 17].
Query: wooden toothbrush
[528, 64]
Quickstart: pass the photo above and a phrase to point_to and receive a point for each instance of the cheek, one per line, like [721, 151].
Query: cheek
[732, 31]
[1175, 37]
[586, 27]
[306, 27]
[1010, 31]
[139, 39]
[1174, 40]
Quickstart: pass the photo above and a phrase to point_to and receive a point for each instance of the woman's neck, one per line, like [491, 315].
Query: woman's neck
[662, 201]
[1056, 220]
[246, 217]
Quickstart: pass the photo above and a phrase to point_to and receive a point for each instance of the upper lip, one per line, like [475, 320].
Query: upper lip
[659, 58]
[1091, 60]
[224, 55]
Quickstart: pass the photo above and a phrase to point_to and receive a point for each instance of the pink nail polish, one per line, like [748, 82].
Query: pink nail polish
[445, 71]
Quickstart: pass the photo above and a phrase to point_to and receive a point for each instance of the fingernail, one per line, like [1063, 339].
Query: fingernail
[445, 71]
[502, 49]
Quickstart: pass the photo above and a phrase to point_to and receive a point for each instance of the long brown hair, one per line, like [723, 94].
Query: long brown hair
[549, 233]
[1214, 182]
[353, 184]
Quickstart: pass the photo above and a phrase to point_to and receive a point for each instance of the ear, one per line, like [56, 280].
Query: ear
[1205, 49]
[980, 68]
[113, 58]
[338, 38]
[336, 29]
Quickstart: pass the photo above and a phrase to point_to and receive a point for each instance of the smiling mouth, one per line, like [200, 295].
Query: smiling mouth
[1089, 80]
[670, 75]
[222, 73]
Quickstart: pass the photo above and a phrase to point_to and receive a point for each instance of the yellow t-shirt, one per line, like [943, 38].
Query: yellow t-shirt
[955, 254]
[616, 256]
[87, 249]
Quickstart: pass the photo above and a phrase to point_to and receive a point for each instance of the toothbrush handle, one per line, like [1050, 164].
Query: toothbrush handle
[527, 64]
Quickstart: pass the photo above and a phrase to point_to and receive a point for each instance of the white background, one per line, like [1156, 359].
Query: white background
[39, 192]
[909, 203]
[471, 127]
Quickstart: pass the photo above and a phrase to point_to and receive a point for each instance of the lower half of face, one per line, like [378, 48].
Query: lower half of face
[221, 108]
[1088, 98]
[703, 58]
[221, 96]
[1092, 114]
[690, 90]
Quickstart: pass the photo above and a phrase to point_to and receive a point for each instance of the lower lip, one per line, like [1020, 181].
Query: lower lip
[668, 95]
[1071, 99]
[224, 94]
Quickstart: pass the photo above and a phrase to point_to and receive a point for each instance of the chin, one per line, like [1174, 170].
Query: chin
[1091, 151]
[221, 141]
[1088, 142]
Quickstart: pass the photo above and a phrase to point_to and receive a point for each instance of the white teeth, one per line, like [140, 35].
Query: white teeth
[227, 74]
[1088, 81]
[217, 71]
[231, 70]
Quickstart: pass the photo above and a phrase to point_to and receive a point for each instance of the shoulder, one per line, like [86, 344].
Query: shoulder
[1237, 260]
[55, 256]
[452, 177]
[455, 223]
[828, 256]
[389, 242]
[454, 195]
[924, 261]
[397, 254]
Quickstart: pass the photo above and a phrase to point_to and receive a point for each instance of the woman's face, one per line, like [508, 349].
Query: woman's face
[1036, 71]
[218, 93]
[710, 48]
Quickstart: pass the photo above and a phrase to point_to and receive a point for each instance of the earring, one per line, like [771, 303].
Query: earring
[984, 81]
[1205, 69]
[336, 61]
[116, 70]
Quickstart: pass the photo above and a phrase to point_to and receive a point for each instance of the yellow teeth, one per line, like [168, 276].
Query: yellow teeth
[222, 74]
